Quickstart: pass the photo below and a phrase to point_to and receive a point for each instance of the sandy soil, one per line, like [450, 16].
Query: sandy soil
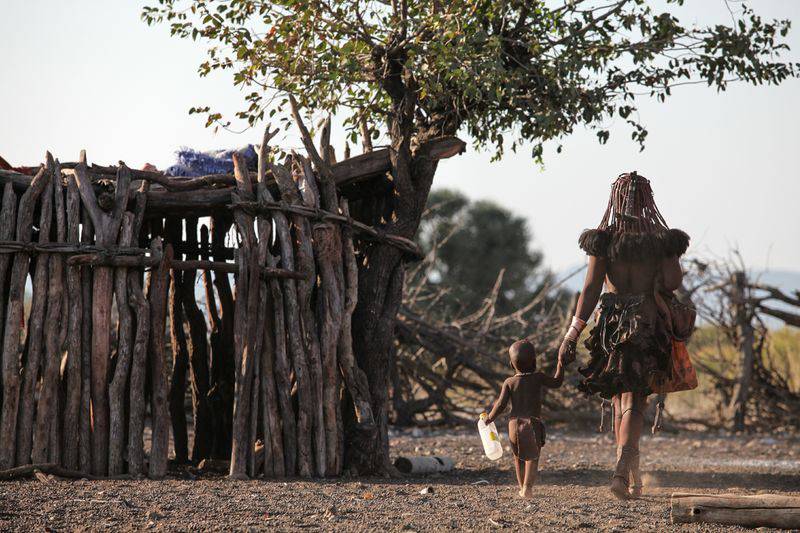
[477, 495]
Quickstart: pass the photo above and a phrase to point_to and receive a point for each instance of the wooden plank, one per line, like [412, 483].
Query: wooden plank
[192, 195]
[759, 510]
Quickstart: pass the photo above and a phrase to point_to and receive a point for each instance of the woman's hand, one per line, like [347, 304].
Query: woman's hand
[566, 353]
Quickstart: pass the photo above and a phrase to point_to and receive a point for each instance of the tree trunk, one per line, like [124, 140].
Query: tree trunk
[380, 287]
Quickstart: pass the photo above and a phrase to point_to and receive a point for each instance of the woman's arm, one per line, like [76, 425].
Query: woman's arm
[672, 273]
[592, 287]
[500, 404]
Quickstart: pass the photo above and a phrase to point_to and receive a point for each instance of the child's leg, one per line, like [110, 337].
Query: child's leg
[531, 473]
[519, 466]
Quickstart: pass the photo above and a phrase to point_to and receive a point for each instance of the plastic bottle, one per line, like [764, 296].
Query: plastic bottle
[490, 439]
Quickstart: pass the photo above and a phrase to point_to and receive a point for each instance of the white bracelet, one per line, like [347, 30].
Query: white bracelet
[575, 328]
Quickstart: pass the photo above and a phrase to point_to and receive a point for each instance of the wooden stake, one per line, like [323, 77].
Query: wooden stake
[75, 315]
[11, 333]
[119, 382]
[354, 378]
[137, 391]
[180, 353]
[304, 260]
[274, 457]
[198, 354]
[159, 285]
[245, 327]
[35, 323]
[85, 442]
[47, 408]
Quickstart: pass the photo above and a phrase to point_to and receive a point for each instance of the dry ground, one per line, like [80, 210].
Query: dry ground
[478, 495]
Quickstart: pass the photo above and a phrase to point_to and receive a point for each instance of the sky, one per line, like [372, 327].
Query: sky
[90, 75]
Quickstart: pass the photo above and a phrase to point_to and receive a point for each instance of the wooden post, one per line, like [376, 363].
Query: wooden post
[296, 432]
[8, 220]
[245, 325]
[759, 510]
[222, 347]
[137, 390]
[12, 330]
[180, 354]
[157, 296]
[119, 381]
[85, 441]
[198, 354]
[296, 348]
[47, 408]
[275, 460]
[746, 336]
[354, 378]
[106, 231]
[74, 316]
[35, 323]
[304, 260]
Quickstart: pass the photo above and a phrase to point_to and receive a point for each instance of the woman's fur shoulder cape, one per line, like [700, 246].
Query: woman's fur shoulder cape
[633, 246]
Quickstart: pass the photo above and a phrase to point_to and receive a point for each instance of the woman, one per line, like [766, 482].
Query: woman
[634, 254]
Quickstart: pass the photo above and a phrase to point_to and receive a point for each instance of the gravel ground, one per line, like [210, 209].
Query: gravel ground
[477, 495]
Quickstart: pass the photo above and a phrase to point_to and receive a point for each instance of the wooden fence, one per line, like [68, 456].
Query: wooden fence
[102, 330]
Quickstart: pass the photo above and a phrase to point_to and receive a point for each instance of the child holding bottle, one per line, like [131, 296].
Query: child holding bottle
[525, 427]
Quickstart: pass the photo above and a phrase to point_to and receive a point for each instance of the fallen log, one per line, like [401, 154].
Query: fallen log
[759, 510]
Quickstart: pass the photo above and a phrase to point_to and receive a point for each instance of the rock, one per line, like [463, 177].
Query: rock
[427, 490]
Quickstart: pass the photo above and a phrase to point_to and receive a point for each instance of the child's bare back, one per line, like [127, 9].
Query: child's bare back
[525, 427]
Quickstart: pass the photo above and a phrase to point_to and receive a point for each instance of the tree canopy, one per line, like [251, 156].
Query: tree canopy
[507, 72]
[470, 244]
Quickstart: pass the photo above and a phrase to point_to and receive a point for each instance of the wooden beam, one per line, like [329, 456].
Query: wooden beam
[759, 510]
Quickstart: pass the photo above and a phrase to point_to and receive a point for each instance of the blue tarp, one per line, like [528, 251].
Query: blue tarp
[195, 163]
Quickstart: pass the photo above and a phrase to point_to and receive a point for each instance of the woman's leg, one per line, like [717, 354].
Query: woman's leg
[630, 431]
[616, 403]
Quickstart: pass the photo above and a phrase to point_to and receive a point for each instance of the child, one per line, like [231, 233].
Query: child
[525, 427]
